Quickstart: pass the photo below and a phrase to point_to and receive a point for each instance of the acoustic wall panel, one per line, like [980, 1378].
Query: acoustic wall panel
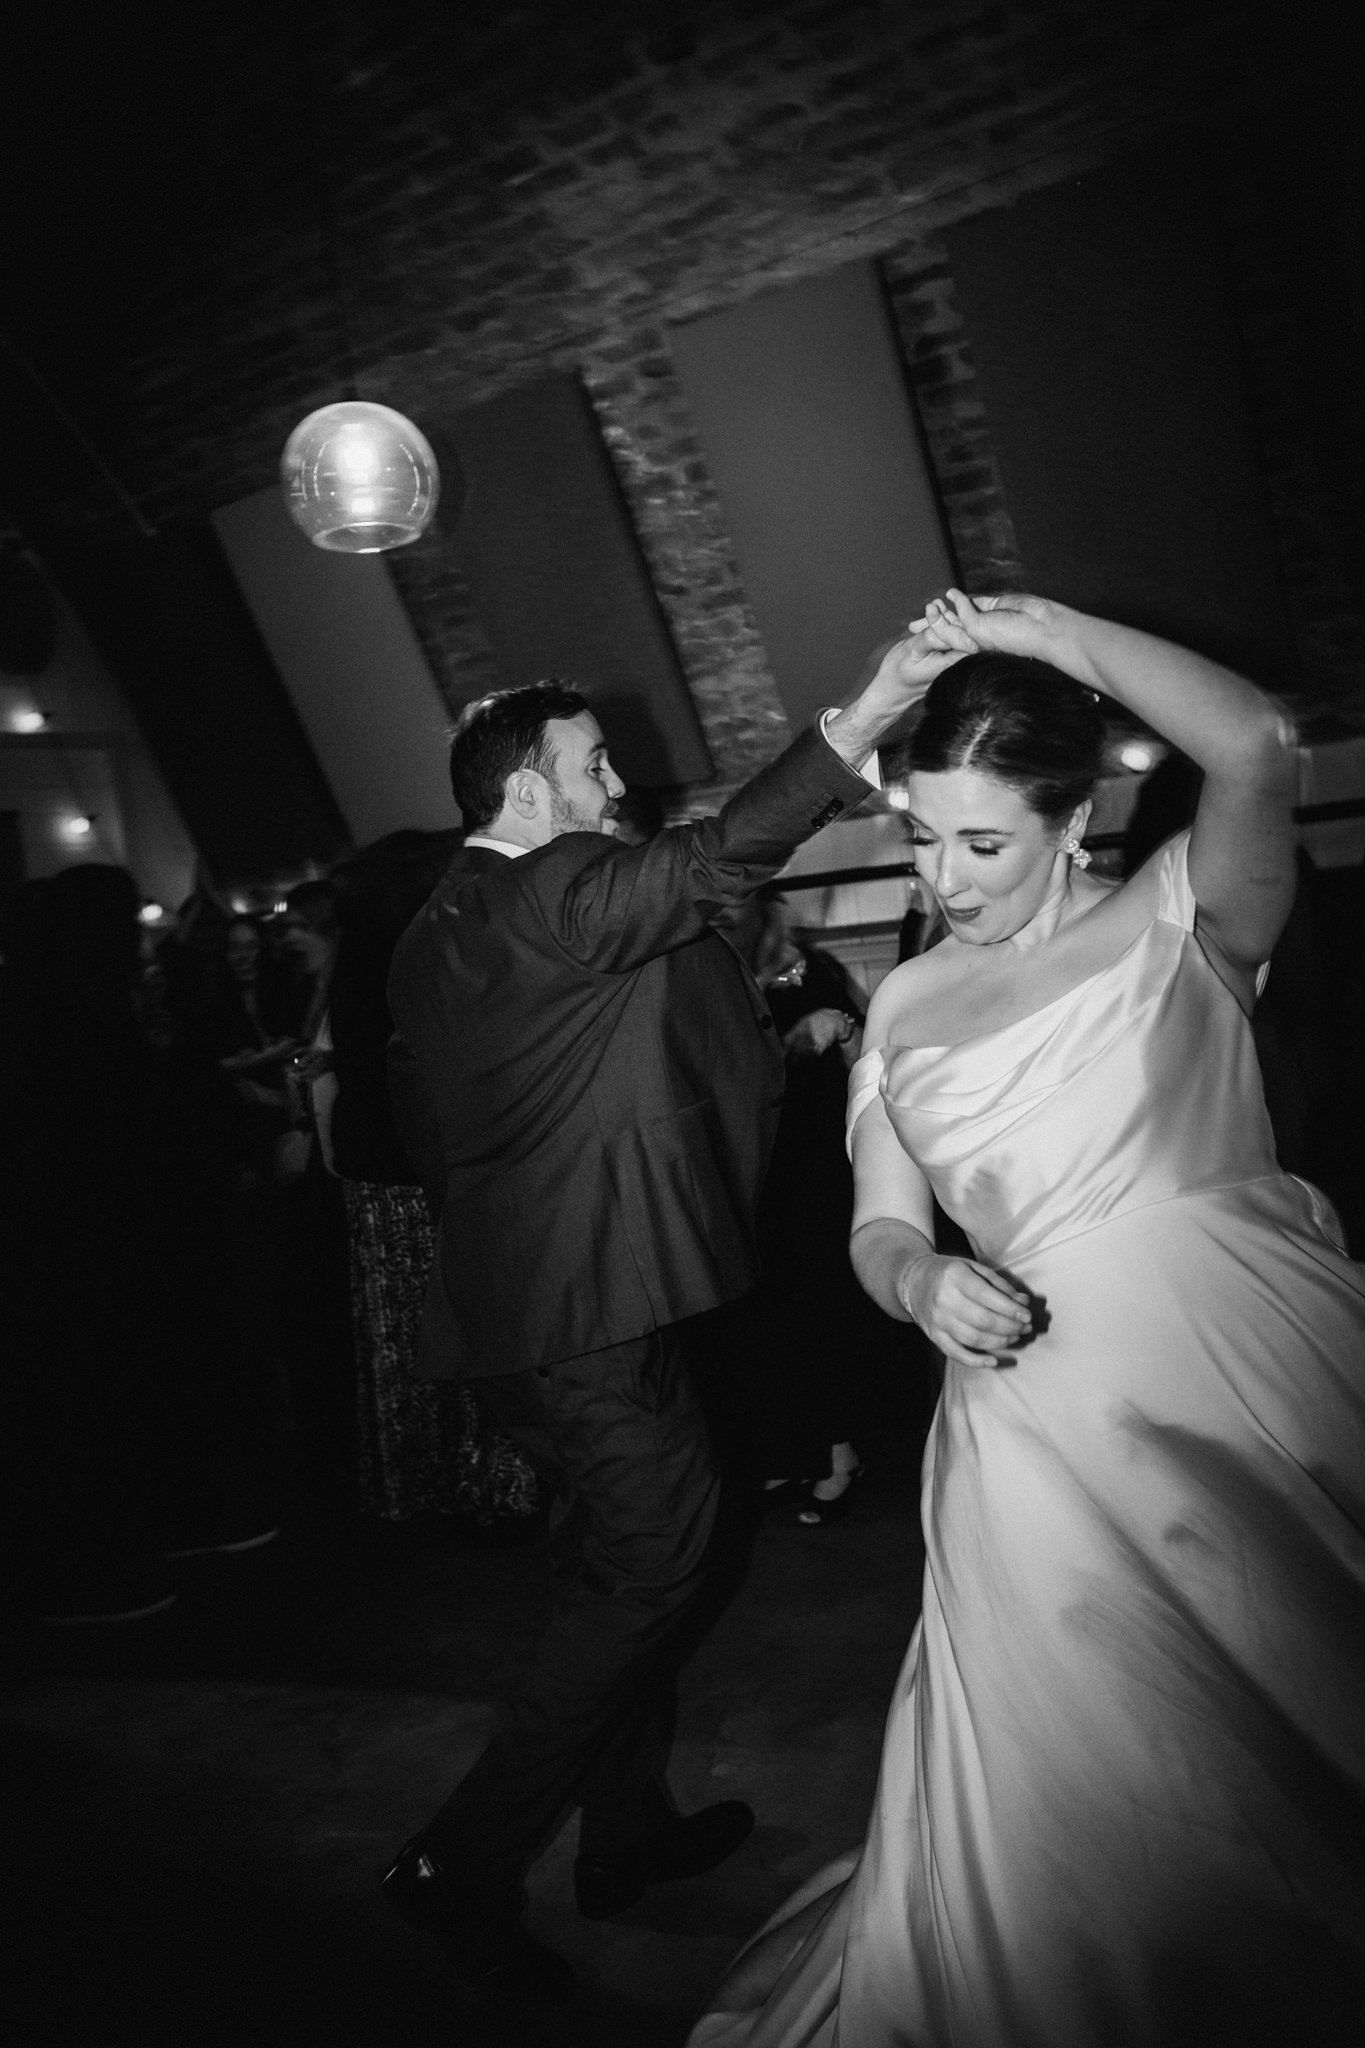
[1105, 341]
[800, 401]
[557, 579]
[353, 668]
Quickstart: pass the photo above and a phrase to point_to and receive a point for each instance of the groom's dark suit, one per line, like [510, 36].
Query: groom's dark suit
[587, 1079]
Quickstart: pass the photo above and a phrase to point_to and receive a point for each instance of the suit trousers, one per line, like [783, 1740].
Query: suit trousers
[620, 1436]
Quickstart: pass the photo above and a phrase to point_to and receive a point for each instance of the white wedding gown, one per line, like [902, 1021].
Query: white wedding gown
[1122, 1795]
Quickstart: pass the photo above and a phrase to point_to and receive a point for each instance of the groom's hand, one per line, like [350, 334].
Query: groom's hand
[902, 676]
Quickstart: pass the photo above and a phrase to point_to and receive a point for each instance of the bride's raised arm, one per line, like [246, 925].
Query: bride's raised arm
[1242, 845]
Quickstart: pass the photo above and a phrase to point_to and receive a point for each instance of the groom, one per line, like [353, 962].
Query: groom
[587, 1079]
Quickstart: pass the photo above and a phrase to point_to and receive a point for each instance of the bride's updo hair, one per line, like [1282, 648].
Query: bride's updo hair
[1020, 721]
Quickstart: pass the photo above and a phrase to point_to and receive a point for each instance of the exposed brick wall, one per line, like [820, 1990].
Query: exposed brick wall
[952, 415]
[677, 520]
[539, 187]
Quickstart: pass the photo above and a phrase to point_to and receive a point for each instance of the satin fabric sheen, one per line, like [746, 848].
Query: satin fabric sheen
[1122, 1797]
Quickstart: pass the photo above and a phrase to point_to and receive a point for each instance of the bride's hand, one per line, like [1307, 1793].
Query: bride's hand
[973, 1315]
[1010, 623]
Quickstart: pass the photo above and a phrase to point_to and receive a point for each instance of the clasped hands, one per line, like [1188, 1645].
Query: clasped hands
[955, 625]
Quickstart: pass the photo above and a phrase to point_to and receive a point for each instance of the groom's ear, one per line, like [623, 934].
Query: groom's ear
[523, 792]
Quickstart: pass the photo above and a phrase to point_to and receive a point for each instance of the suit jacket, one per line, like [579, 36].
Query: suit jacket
[587, 1079]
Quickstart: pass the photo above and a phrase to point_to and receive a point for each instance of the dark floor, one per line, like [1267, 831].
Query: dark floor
[200, 1806]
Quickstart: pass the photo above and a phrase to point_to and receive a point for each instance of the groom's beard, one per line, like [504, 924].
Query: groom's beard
[565, 816]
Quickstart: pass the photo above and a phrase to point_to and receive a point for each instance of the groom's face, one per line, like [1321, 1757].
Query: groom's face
[584, 786]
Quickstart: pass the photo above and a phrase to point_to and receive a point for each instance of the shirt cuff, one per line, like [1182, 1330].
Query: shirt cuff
[871, 770]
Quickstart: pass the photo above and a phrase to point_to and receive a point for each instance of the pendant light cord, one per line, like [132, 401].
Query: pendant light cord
[324, 179]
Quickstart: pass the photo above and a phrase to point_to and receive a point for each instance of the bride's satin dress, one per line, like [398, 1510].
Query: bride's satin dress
[1122, 1795]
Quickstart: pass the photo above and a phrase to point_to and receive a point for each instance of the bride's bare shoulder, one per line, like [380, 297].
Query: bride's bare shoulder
[956, 991]
[901, 996]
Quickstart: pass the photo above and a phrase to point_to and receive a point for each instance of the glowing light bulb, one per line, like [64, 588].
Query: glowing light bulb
[1137, 755]
[898, 797]
[28, 721]
[359, 478]
[357, 458]
[150, 913]
[77, 828]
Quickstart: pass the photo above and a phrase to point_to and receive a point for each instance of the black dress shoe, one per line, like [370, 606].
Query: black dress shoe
[815, 1513]
[684, 1846]
[483, 1934]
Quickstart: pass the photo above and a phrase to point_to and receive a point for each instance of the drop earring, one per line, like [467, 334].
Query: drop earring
[1072, 845]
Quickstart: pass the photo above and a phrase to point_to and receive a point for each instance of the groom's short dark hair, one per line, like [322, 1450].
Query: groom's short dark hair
[501, 733]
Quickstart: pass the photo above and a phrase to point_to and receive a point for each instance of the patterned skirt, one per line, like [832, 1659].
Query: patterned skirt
[424, 1444]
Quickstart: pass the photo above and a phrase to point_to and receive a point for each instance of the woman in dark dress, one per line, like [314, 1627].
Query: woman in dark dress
[243, 1027]
[422, 1445]
[810, 1346]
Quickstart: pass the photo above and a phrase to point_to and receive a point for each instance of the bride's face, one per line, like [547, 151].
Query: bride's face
[991, 862]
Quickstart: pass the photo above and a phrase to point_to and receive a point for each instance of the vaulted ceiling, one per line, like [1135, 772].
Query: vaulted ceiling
[215, 213]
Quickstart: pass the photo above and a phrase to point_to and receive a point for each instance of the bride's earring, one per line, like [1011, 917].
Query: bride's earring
[1072, 845]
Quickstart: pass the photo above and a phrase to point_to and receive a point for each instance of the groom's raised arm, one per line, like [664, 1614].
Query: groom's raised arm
[611, 907]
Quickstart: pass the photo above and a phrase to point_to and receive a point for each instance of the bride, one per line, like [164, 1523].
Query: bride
[1122, 1796]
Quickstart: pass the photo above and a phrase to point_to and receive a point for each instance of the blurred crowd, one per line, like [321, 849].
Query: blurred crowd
[214, 1252]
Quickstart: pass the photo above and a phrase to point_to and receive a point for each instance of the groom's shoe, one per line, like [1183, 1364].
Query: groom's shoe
[483, 1933]
[683, 1846]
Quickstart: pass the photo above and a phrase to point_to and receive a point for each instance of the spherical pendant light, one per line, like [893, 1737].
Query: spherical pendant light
[359, 478]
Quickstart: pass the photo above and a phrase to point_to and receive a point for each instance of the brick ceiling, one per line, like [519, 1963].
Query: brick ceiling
[512, 188]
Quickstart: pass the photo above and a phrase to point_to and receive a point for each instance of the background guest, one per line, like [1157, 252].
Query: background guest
[310, 1285]
[304, 937]
[131, 1433]
[805, 1346]
[422, 1445]
[240, 1023]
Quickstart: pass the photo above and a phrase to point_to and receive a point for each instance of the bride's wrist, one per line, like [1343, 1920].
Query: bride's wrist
[904, 1279]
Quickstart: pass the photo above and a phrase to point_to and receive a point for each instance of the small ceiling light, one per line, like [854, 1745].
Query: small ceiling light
[359, 478]
[1137, 755]
[898, 796]
[28, 721]
[150, 913]
[77, 828]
